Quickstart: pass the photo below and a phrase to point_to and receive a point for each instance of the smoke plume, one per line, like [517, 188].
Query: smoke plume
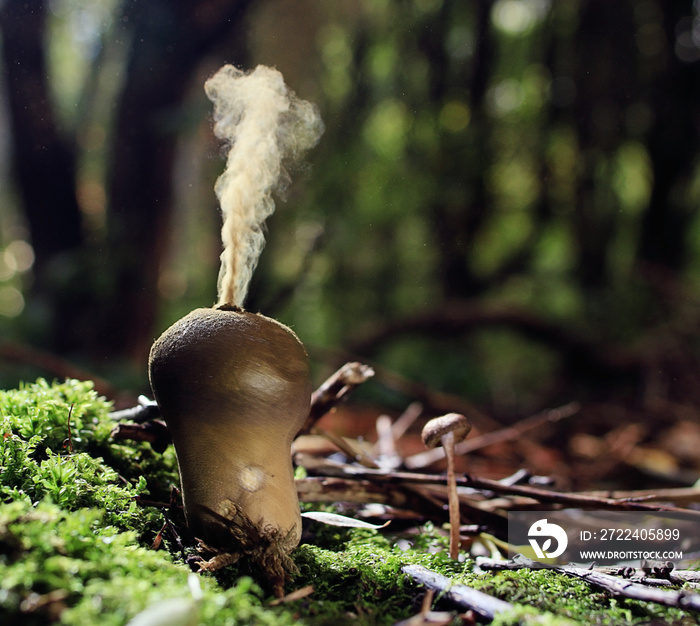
[266, 129]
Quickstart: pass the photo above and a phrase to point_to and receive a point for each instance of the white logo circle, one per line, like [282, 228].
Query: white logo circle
[542, 528]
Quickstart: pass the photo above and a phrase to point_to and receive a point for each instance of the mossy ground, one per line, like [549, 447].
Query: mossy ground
[76, 545]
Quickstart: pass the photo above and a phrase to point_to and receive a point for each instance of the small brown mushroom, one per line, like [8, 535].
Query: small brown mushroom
[448, 431]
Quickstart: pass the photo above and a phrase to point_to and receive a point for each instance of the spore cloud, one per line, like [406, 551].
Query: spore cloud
[267, 129]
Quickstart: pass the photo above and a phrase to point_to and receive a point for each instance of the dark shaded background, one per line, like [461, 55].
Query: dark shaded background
[503, 210]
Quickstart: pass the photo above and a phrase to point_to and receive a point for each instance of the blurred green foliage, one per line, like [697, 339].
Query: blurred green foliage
[517, 154]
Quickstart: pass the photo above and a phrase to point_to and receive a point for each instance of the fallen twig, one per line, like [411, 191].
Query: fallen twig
[426, 617]
[146, 411]
[346, 448]
[678, 495]
[154, 432]
[541, 495]
[614, 585]
[332, 489]
[465, 597]
[571, 499]
[341, 383]
[685, 576]
[297, 594]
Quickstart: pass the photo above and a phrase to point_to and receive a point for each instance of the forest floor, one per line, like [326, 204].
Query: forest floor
[89, 524]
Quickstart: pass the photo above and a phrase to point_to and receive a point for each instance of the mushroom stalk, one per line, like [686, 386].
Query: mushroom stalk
[448, 442]
[447, 431]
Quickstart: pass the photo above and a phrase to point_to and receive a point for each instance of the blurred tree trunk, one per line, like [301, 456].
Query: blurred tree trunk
[458, 223]
[673, 144]
[169, 40]
[112, 312]
[44, 162]
[607, 83]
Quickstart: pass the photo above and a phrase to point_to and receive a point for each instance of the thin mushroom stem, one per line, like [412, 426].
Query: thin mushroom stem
[447, 431]
[448, 442]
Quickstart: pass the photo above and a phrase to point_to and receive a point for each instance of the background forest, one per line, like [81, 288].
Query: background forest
[503, 209]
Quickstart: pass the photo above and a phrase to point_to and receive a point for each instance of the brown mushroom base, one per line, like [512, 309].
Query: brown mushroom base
[268, 547]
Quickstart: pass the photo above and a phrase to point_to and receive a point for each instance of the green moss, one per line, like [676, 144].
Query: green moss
[102, 576]
[566, 597]
[75, 542]
[55, 444]
[73, 539]
[364, 578]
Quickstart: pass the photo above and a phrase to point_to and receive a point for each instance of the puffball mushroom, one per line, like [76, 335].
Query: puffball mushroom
[234, 389]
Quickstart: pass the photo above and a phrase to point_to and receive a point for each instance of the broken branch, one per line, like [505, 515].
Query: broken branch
[465, 597]
[614, 585]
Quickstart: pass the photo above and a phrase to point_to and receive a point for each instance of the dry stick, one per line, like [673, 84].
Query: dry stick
[345, 447]
[675, 576]
[388, 433]
[385, 446]
[674, 494]
[347, 378]
[616, 586]
[427, 601]
[412, 412]
[465, 597]
[570, 499]
[154, 432]
[146, 411]
[329, 489]
[541, 495]
[684, 576]
[423, 459]
[414, 504]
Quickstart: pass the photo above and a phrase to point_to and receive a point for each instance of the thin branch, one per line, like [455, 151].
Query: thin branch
[677, 495]
[331, 392]
[330, 489]
[484, 484]
[612, 584]
[154, 432]
[406, 420]
[146, 411]
[465, 597]
[346, 447]
[571, 499]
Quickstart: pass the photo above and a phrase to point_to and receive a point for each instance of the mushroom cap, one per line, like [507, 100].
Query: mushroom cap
[438, 427]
